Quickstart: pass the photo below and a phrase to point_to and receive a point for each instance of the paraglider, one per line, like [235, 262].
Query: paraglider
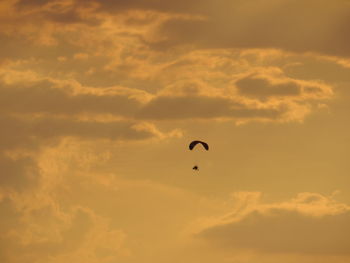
[192, 145]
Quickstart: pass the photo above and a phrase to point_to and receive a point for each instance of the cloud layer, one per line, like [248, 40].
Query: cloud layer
[309, 224]
[89, 89]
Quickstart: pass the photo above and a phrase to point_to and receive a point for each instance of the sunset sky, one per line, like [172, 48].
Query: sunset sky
[100, 99]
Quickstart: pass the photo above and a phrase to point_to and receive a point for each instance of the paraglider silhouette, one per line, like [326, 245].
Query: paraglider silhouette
[194, 144]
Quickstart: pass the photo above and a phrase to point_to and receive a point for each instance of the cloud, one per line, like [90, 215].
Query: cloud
[193, 98]
[20, 173]
[255, 86]
[35, 3]
[266, 24]
[180, 6]
[114, 130]
[216, 83]
[265, 86]
[119, 5]
[62, 12]
[43, 235]
[34, 132]
[202, 107]
[45, 96]
[306, 26]
[309, 224]
[263, 94]
[79, 214]
[37, 112]
[87, 87]
[41, 109]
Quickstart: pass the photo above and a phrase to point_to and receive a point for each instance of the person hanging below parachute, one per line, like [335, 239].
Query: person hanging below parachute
[192, 145]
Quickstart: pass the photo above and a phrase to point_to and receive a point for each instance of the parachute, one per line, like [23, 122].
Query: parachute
[194, 143]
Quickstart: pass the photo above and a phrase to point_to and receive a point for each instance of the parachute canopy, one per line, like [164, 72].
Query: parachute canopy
[194, 143]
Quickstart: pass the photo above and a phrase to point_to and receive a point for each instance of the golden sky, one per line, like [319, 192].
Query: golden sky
[100, 99]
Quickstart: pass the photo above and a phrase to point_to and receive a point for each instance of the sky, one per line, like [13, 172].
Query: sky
[100, 99]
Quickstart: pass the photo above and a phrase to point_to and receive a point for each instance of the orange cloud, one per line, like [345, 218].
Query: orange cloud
[309, 224]
[89, 88]
[43, 235]
[308, 26]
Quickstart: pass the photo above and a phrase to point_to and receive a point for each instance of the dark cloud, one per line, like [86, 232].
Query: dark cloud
[117, 6]
[59, 11]
[22, 4]
[201, 107]
[300, 26]
[55, 11]
[69, 17]
[14, 134]
[18, 174]
[19, 133]
[311, 68]
[42, 97]
[10, 47]
[114, 130]
[16, 48]
[9, 220]
[181, 6]
[262, 87]
[285, 231]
